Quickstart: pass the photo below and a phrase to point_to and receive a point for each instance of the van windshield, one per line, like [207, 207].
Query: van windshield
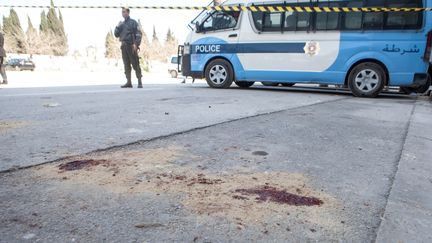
[200, 17]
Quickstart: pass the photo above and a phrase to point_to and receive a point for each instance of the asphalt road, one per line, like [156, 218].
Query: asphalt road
[186, 163]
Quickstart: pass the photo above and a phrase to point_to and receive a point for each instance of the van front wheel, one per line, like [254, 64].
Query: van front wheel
[367, 80]
[219, 74]
[174, 74]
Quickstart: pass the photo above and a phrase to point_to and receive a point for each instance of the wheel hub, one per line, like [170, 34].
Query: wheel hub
[367, 80]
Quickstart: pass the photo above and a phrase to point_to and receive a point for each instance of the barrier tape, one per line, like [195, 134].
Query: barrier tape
[241, 8]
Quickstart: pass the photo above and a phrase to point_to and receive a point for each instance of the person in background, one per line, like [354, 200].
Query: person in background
[2, 59]
[130, 36]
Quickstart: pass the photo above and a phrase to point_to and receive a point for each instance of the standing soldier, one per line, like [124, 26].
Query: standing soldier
[2, 57]
[130, 36]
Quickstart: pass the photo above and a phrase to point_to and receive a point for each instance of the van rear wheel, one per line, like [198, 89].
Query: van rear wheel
[219, 74]
[367, 80]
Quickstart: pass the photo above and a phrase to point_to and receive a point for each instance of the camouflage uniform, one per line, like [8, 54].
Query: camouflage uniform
[129, 33]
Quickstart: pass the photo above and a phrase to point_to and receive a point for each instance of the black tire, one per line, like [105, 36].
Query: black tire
[244, 84]
[420, 90]
[219, 74]
[287, 84]
[270, 84]
[174, 74]
[367, 80]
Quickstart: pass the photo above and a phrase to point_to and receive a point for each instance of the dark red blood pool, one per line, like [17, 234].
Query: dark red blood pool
[81, 164]
[272, 194]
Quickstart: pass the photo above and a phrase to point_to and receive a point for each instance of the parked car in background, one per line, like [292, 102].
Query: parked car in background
[173, 66]
[20, 64]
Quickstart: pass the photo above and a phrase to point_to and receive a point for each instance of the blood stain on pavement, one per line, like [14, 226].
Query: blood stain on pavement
[81, 164]
[268, 193]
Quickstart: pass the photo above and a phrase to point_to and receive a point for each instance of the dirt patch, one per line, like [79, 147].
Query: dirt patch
[244, 197]
[9, 125]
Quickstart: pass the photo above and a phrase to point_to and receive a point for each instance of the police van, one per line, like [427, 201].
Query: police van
[363, 50]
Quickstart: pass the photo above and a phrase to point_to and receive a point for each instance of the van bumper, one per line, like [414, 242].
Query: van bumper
[420, 79]
[187, 68]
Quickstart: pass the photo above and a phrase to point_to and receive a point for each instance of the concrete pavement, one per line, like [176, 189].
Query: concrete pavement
[199, 151]
[52, 123]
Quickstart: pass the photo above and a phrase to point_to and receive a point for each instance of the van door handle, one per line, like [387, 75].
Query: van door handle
[232, 36]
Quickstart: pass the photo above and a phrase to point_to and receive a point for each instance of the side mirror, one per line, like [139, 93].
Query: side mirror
[197, 27]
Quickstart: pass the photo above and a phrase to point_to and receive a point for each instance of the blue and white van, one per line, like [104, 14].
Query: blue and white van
[365, 51]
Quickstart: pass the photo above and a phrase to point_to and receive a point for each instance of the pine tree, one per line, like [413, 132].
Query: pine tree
[15, 40]
[112, 47]
[171, 44]
[170, 36]
[145, 43]
[43, 27]
[53, 33]
[33, 40]
[63, 42]
[144, 49]
[155, 38]
[156, 51]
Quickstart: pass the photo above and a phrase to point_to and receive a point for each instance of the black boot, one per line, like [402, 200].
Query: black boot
[128, 84]
[140, 86]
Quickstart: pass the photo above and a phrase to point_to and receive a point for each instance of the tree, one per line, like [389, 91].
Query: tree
[144, 49]
[171, 44]
[157, 52]
[33, 40]
[52, 33]
[63, 44]
[15, 39]
[112, 47]
[43, 27]
[145, 43]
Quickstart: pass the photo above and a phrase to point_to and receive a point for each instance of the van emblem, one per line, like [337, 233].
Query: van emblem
[312, 48]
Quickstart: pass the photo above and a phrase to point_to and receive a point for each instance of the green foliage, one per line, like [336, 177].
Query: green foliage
[51, 39]
[33, 40]
[15, 39]
[170, 36]
[112, 47]
[44, 22]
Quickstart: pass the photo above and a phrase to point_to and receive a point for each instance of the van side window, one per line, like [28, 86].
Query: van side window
[327, 20]
[268, 21]
[404, 20]
[350, 21]
[272, 21]
[297, 21]
[258, 20]
[353, 20]
[220, 20]
[374, 20]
